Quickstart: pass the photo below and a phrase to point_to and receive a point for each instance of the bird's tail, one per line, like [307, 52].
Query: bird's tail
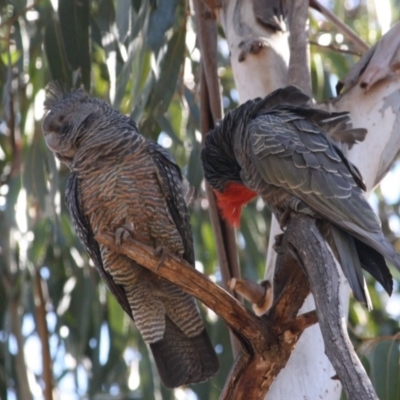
[344, 247]
[374, 262]
[183, 360]
[375, 248]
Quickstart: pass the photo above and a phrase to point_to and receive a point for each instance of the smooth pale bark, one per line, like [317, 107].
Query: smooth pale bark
[259, 56]
[309, 372]
[257, 75]
[377, 110]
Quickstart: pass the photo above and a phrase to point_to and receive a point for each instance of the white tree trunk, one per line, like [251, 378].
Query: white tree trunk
[377, 110]
[259, 57]
[308, 374]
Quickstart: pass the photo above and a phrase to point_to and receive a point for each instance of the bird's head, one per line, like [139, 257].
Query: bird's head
[222, 169]
[67, 114]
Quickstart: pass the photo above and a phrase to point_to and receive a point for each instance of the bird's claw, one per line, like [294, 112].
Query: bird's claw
[277, 246]
[122, 233]
[284, 218]
[161, 252]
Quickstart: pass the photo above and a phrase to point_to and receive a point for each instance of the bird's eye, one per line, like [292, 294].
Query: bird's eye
[61, 118]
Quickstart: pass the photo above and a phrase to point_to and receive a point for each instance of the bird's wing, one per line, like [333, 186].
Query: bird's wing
[170, 179]
[337, 125]
[86, 237]
[293, 153]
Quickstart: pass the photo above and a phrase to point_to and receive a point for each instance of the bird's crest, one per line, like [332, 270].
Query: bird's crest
[55, 93]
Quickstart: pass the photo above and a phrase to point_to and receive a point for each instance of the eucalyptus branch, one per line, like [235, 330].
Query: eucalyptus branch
[324, 282]
[211, 111]
[299, 63]
[266, 342]
[23, 389]
[41, 323]
[182, 274]
[331, 47]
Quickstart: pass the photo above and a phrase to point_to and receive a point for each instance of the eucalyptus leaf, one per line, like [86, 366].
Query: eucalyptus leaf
[55, 53]
[74, 24]
[162, 18]
[381, 357]
[169, 71]
[34, 178]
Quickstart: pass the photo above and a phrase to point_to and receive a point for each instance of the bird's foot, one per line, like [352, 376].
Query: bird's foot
[277, 246]
[161, 252]
[122, 233]
[284, 218]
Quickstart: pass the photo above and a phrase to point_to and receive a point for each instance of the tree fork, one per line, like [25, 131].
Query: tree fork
[267, 341]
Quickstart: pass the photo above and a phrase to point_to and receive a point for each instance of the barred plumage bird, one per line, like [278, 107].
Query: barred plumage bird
[280, 148]
[124, 184]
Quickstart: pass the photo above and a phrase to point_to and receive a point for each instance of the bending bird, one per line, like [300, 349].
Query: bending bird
[283, 150]
[124, 184]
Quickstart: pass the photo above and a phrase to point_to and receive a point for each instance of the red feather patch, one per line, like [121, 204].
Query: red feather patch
[231, 201]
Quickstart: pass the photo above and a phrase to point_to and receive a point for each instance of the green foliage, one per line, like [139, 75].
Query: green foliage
[382, 360]
[143, 58]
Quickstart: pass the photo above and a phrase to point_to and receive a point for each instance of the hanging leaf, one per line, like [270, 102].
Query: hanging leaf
[124, 19]
[34, 178]
[384, 366]
[74, 24]
[55, 53]
[162, 18]
[169, 71]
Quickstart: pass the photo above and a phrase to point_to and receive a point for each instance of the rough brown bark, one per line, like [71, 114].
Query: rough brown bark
[266, 342]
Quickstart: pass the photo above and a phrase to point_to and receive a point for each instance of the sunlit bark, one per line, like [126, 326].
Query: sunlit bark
[260, 59]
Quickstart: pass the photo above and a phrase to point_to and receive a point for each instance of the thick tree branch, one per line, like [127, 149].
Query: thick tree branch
[372, 95]
[259, 51]
[324, 281]
[191, 281]
[266, 342]
[299, 64]
[381, 62]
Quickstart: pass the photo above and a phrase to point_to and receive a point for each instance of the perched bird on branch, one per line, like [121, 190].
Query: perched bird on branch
[283, 150]
[124, 184]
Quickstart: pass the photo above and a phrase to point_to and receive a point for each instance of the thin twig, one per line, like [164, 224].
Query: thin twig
[41, 323]
[334, 48]
[211, 112]
[361, 46]
[23, 390]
